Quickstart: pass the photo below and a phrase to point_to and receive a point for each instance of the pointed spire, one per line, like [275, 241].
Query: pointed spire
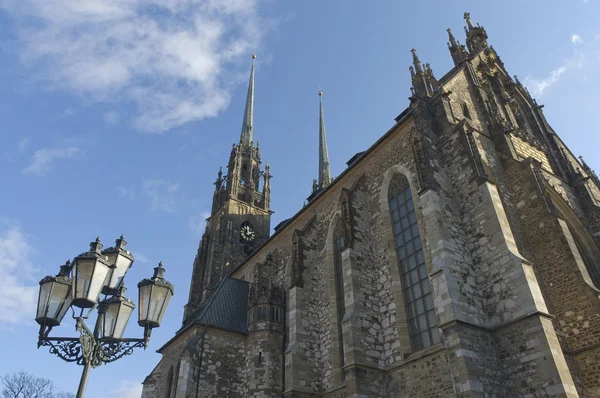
[467, 17]
[248, 123]
[457, 51]
[324, 172]
[416, 61]
[424, 83]
[453, 42]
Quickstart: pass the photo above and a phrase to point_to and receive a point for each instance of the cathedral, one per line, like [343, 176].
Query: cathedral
[458, 256]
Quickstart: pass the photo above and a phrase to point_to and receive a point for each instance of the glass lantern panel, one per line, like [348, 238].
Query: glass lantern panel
[145, 292]
[157, 299]
[122, 266]
[116, 274]
[110, 319]
[66, 306]
[122, 320]
[45, 290]
[164, 306]
[98, 278]
[83, 277]
[57, 299]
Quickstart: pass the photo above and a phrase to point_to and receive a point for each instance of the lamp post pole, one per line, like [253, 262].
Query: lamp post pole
[85, 374]
[94, 272]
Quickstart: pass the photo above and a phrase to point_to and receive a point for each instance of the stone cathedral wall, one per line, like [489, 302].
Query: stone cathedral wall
[375, 318]
[502, 235]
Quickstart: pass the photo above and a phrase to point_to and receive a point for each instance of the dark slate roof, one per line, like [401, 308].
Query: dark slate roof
[353, 158]
[226, 307]
[281, 224]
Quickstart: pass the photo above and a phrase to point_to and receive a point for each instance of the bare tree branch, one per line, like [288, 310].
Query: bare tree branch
[25, 385]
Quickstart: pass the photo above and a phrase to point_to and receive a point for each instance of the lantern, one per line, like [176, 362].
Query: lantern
[55, 297]
[154, 296]
[89, 274]
[118, 311]
[120, 260]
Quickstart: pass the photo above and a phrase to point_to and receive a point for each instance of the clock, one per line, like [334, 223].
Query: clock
[247, 233]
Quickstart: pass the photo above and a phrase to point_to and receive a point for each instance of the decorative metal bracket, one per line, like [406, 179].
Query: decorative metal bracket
[89, 349]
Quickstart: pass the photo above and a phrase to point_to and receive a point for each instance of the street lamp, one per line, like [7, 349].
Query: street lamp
[79, 284]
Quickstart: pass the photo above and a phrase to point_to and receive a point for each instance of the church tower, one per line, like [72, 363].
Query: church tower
[240, 217]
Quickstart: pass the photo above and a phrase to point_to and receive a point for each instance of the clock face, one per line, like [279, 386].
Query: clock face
[247, 233]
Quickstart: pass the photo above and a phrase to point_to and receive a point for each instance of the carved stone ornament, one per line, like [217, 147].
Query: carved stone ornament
[263, 289]
[297, 277]
[347, 216]
[420, 161]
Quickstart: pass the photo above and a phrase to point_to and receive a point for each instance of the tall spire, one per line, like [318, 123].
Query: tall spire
[324, 172]
[424, 83]
[416, 61]
[457, 50]
[248, 123]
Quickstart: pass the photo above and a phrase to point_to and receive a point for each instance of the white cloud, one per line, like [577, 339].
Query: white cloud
[538, 86]
[197, 223]
[111, 117]
[162, 194]
[126, 192]
[19, 288]
[175, 59]
[140, 257]
[576, 39]
[23, 144]
[127, 389]
[41, 161]
[68, 112]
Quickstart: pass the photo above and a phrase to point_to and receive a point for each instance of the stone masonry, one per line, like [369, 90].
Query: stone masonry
[505, 229]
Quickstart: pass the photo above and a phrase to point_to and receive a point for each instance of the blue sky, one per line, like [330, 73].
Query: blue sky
[116, 115]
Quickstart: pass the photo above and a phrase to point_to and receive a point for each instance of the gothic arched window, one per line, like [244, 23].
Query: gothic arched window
[418, 298]
[338, 248]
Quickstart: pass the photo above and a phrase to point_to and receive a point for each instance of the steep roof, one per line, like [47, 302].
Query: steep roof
[226, 307]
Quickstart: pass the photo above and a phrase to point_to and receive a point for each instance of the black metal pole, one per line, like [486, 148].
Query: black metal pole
[102, 307]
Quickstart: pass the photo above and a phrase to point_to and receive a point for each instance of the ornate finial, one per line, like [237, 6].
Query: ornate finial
[254, 56]
[416, 61]
[467, 17]
[121, 242]
[159, 271]
[451, 37]
[65, 269]
[96, 246]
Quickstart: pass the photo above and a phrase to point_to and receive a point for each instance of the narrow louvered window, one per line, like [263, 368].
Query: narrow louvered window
[421, 316]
